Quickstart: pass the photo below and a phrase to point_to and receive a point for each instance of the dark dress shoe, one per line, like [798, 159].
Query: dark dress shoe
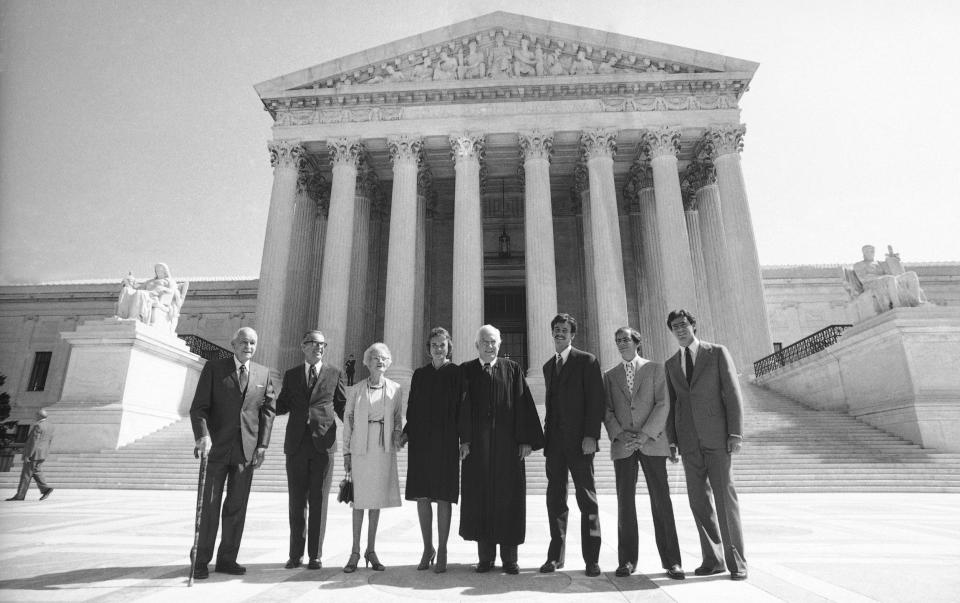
[483, 567]
[233, 569]
[46, 494]
[738, 575]
[593, 570]
[292, 564]
[624, 570]
[513, 569]
[314, 564]
[708, 571]
[550, 566]
[200, 572]
[675, 572]
[14, 498]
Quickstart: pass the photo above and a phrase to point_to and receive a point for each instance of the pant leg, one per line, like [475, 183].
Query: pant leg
[581, 470]
[317, 472]
[625, 471]
[210, 514]
[39, 478]
[701, 504]
[557, 511]
[720, 472]
[661, 509]
[26, 474]
[486, 551]
[239, 478]
[508, 554]
[327, 483]
[297, 487]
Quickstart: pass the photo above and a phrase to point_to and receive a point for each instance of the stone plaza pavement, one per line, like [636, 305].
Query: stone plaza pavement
[110, 545]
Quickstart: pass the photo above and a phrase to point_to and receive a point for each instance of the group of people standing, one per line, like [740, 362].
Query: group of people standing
[479, 419]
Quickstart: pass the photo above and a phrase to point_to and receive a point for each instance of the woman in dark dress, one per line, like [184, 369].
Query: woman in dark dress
[433, 462]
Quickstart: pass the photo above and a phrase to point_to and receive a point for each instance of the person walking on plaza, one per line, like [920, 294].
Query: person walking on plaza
[433, 462]
[636, 421]
[232, 417]
[706, 422]
[499, 427]
[34, 453]
[314, 395]
[350, 367]
[371, 436]
[575, 406]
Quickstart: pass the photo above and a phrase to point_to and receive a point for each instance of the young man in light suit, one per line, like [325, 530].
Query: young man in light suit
[232, 416]
[706, 422]
[636, 420]
[34, 453]
[314, 395]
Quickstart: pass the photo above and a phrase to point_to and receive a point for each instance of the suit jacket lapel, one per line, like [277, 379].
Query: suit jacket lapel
[703, 356]
[673, 365]
[620, 377]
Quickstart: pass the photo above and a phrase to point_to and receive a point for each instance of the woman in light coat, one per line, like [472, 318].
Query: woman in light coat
[371, 436]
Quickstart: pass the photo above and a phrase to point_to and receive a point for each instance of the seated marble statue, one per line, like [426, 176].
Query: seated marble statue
[446, 68]
[473, 65]
[155, 301]
[524, 60]
[887, 282]
[499, 59]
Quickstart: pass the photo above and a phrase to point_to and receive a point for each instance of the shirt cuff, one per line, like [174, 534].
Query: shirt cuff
[736, 435]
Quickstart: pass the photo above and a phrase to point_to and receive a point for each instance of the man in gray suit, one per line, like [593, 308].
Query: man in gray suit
[636, 419]
[34, 453]
[706, 421]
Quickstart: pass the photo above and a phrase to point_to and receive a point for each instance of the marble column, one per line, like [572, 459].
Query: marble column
[725, 143]
[361, 302]
[580, 194]
[468, 246]
[286, 157]
[399, 312]
[677, 286]
[319, 190]
[598, 147]
[535, 150]
[299, 275]
[420, 328]
[706, 327]
[716, 258]
[345, 155]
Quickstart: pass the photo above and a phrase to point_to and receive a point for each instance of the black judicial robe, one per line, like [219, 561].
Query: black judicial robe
[497, 415]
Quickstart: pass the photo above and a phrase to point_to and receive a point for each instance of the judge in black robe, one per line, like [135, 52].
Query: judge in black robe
[499, 427]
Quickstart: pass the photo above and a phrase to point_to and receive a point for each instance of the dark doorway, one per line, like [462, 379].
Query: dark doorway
[506, 309]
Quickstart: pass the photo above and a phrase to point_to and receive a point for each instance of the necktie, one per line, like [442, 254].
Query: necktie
[487, 368]
[313, 375]
[244, 378]
[688, 360]
[628, 366]
[559, 364]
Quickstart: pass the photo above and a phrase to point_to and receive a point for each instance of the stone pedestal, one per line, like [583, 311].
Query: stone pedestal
[124, 380]
[896, 371]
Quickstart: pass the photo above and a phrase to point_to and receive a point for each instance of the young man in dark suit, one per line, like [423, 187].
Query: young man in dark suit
[313, 393]
[706, 422]
[232, 416]
[575, 407]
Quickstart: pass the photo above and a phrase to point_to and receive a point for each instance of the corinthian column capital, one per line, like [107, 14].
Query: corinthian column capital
[660, 142]
[467, 146]
[639, 178]
[700, 173]
[286, 153]
[598, 142]
[424, 179]
[345, 151]
[724, 139]
[535, 145]
[368, 183]
[405, 149]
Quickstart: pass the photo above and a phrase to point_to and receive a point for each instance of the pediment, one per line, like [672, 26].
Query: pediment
[498, 47]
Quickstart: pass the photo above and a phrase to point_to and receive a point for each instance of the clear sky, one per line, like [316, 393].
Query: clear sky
[130, 131]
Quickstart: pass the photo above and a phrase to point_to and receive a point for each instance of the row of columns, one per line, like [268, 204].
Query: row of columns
[703, 259]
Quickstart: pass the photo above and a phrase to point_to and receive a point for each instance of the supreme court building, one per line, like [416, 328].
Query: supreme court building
[501, 170]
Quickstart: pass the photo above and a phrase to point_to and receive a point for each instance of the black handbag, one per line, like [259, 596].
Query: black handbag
[346, 491]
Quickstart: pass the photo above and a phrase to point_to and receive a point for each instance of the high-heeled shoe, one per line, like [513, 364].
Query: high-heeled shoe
[426, 560]
[351, 565]
[371, 559]
[441, 565]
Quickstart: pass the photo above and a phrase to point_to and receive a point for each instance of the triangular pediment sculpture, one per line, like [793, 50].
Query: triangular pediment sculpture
[502, 46]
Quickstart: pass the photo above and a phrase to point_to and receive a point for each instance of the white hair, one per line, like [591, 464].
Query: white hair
[491, 329]
[378, 346]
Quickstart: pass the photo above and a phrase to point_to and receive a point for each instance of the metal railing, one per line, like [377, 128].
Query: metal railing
[807, 346]
[205, 349]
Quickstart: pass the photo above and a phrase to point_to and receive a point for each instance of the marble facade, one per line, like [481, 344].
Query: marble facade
[500, 170]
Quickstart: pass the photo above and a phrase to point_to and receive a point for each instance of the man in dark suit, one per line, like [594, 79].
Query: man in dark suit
[232, 416]
[313, 394]
[575, 407]
[636, 420]
[706, 421]
[34, 453]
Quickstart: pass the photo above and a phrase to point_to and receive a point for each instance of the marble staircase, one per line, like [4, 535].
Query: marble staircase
[788, 448]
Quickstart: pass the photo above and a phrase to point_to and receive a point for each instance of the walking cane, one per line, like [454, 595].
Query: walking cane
[202, 454]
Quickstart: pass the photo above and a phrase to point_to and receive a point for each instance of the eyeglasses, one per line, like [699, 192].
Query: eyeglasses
[380, 358]
[678, 326]
[321, 344]
[620, 340]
